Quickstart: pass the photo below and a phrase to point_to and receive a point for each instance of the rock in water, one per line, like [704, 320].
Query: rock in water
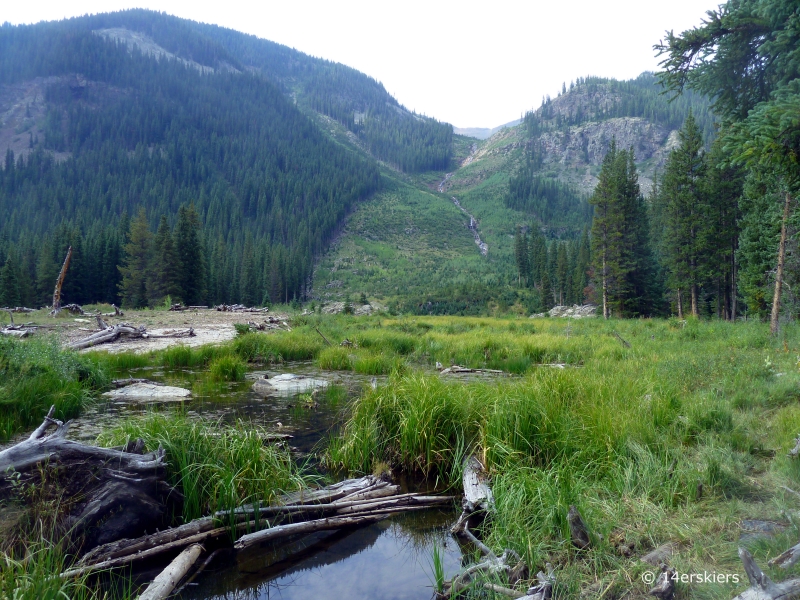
[149, 392]
[287, 384]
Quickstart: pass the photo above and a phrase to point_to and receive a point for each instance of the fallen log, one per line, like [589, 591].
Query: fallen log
[787, 559]
[104, 494]
[477, 493]
[281, 531]
[577, 529]
[109, 334]
[761, 586]
[456, 369]
[126, 559]
[796, 450]
[168, 579]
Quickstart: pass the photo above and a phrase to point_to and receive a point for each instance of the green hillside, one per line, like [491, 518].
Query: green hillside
[524, 176]
[110, 114]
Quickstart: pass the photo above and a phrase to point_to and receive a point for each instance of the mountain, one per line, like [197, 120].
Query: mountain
[108, 114]
[483, 133]
[303, 178]
[535, 175]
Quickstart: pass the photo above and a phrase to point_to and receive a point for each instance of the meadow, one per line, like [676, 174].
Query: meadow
[658, 431]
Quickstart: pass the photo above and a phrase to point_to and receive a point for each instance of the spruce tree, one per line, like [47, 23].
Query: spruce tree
[684, 212]
[136, 263]
[188, 243]
[9, 285]
[163, 280]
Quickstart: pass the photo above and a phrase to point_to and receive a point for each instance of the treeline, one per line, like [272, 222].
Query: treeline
[136, 266]
[560, 270]
[600, 99]
[550, 201]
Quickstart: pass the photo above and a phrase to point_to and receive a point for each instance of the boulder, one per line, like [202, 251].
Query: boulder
[287, 384]
[149, 392]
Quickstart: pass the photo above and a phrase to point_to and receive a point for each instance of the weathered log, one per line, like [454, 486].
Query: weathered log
[477, 493]
[281, 531]
[455, 369]
[793, 453]
[577, 529]
[126, 559]
[17, 333]
[168, 579]
[105, 493]
[109, 334]
[787, 559]
[59, 283]
[664, 588]
[761, 586]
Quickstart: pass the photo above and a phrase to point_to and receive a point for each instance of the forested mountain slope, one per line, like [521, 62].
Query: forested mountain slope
[104, 115]
[536, 176]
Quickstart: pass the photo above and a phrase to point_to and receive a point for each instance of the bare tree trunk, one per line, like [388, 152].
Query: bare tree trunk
[776, 299]
[693, 293]
[733, 284]
[60, 282]
[680, 303]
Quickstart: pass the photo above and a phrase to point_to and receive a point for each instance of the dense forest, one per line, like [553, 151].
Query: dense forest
[131, 132]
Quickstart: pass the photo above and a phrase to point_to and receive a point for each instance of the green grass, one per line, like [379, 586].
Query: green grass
[625, 434]
[216, 466]
[227, 368]
[36, 374]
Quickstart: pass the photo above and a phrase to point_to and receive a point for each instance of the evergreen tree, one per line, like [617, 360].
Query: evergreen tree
[136, 263]
[684, 212]
[189, 248]
[163, 273]
[620, 247]
[10, 295]
[723, 190]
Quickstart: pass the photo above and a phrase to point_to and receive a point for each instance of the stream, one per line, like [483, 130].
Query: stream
[473, 222]
[391, 559]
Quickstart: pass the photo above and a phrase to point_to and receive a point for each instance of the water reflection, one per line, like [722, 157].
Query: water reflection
[388, 560]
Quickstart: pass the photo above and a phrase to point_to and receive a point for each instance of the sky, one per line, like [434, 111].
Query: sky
[466, 63]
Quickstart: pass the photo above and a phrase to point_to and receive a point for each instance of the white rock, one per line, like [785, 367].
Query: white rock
[287, 384]
[149, 392]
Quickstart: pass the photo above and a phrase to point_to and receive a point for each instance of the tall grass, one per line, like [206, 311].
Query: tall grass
[626, 434]
[216, 466]
[37, 373]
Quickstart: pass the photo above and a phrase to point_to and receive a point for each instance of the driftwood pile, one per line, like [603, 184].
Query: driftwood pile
[19, 331]
[178, 307]
[346, 504]
[112, 333]
[269, 324]
[239, 308]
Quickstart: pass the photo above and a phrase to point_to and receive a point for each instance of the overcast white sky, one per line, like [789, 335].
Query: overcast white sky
[470, 64]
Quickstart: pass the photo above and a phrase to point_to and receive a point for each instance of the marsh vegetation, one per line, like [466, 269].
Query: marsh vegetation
[680, 438]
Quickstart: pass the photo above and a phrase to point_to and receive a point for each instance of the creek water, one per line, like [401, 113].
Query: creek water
[392, 559]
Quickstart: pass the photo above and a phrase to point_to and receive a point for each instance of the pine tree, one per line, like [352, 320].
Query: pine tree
[620, 246]
[163, 280]
[189, 246]
[723, 190]
[136, 263]
[684, 212]
[9, 285]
